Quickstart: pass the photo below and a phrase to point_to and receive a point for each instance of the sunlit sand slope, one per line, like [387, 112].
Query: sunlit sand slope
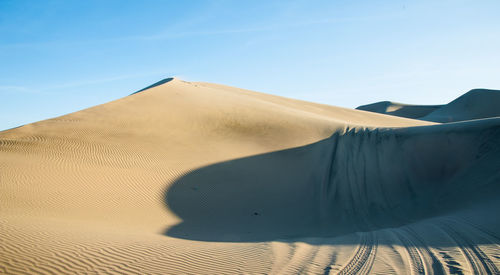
[199, 178]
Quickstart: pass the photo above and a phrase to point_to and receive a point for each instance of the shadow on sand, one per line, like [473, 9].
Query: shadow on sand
[163, 81]
[334, 187]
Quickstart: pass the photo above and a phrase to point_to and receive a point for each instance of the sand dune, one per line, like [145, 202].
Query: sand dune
[399, 109]
[200, 178]
[475, 104]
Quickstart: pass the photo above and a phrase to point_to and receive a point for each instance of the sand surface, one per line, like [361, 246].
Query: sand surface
[400, 109]
[200, 178]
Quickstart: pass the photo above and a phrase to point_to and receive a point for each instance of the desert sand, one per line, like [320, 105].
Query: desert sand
[199, 178]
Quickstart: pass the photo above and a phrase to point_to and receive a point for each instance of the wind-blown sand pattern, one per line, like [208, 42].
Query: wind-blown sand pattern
[199, 178]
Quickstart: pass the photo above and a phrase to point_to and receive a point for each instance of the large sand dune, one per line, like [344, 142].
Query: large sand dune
[199, 178]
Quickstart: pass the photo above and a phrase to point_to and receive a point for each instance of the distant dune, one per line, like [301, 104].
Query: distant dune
[199, 178]
[400, 109]
[475, 104]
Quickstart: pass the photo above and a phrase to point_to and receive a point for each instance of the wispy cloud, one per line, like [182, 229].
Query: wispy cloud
[88, 82]
[173, 33]
[177, 31]
[81, 83]
[11, 89]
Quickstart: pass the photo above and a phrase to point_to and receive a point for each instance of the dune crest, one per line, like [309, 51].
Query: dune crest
[200, 178]
[400, 109]
[475, 104]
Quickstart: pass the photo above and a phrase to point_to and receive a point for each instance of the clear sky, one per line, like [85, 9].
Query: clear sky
[58, 57]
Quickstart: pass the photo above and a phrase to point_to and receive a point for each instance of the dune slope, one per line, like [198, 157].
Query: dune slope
[200, 178]
[475, 104]
[399, 109]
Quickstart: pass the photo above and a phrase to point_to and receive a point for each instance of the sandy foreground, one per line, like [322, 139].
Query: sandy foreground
[199, 178]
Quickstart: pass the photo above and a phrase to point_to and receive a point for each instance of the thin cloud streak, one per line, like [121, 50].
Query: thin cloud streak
[49, 89]
[12, 89]
[173, 33]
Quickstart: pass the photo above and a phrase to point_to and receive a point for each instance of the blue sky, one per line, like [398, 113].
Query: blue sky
[62, 56]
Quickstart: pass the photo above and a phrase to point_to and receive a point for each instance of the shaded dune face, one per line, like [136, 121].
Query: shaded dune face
[475, 104]
[161, 82]
[399, 109]
[356, 180]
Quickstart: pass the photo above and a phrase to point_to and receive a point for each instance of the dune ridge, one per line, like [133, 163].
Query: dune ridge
[399, 109]
[200, 178]
[475, 104]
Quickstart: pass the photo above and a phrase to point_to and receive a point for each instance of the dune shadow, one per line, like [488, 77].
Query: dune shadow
[400, 110]
[254, 198]
[163, 81]
[350, 182]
